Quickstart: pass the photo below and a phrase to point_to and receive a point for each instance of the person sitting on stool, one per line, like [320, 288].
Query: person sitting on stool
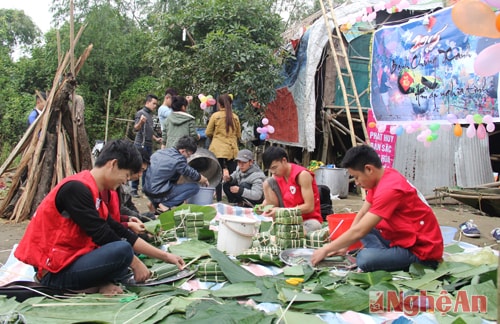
[244, 185]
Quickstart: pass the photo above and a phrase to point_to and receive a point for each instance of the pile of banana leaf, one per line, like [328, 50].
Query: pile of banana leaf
[318, 291]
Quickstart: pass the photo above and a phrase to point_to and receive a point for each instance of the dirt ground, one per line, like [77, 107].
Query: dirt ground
[449, 214]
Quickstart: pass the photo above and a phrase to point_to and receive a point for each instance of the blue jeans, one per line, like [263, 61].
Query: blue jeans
[108, 263]
[378, 255]
[135, 184]
[177, 194]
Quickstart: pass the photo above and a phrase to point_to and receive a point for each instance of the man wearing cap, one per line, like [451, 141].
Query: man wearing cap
[244, 185]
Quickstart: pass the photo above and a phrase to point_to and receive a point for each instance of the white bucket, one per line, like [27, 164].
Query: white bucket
[236, 233]
[448, 233]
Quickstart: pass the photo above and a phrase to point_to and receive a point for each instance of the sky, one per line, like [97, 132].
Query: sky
[38, 10]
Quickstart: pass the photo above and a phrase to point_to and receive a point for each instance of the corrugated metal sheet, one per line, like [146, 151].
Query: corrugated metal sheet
[448, 162]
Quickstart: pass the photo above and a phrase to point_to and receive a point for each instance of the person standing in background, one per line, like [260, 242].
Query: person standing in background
[39, 106]
[178, 124]
[224, 129]
[145, 133]
[165, 108]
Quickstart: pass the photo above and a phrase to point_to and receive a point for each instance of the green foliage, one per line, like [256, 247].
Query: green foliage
[138, 49]
[16, 29]
[224, 51]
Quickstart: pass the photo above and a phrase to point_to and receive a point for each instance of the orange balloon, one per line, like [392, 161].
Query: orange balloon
[457, 130]
[475, 17]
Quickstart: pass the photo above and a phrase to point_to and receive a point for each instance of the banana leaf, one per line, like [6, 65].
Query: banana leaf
[209, 312]
[167, 218]
[233, 272]
[343, 298]
[286, 295]
[241, 289]
[162, 270]
[295, 317]
[191, 249]
[488, 290]
[367, 279]
[153, 226]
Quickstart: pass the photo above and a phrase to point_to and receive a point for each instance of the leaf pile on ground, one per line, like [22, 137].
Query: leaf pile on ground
[318, 291]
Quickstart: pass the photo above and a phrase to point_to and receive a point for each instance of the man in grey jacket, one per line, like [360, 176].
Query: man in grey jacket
[166, 167]
[244, 185]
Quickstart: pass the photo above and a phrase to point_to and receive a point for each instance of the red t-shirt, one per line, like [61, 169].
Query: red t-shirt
[292, 196]
[407, 220]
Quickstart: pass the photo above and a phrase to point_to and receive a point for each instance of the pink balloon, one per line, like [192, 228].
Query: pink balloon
[490, 127]
[201, 95]
[270, 129]
[264, 130]
[487, 62]
[409, 129]
[379, 6]
[259, 130]
[427, 132]
[452, 118]
[487, 119]
[469, 119]
[471, 131]
[415, 125]
[481, 131]
[427, 144]
[211, 101]
[203, 105]
[421, 137]
[265, 121]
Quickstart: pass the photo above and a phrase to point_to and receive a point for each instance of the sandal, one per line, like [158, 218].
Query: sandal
[161, 209]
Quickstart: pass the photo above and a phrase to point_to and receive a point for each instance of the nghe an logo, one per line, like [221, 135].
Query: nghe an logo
[412, 304]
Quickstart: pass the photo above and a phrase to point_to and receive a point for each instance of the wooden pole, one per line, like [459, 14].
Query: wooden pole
[72, 36]
[107, 116]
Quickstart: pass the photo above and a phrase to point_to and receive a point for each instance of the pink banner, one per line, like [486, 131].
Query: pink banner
[383, 143]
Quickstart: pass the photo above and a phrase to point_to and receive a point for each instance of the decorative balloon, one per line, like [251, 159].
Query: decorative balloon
[206, 101]
[471, 131]
[467, 13]
[457, 130]
[452, 118]
[266, 130]
[481, 132]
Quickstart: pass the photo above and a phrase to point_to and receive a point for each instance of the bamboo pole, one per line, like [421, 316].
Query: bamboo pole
[107, 117]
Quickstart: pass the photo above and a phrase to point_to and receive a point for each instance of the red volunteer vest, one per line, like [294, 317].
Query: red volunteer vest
[52, 241]
[292, 196]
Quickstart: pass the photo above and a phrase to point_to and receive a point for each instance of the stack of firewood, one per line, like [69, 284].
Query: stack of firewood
[54, 146]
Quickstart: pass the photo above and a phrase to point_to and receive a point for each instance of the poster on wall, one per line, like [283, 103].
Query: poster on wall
[423, 70]
[382, 141]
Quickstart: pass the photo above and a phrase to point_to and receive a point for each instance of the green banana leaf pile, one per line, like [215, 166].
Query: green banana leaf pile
[319, 292]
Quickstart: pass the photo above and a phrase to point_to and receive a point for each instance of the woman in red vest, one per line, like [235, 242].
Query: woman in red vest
[74, 243]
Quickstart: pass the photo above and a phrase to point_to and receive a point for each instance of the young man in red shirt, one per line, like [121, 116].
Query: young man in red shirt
[292, 186]
[395, 223]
